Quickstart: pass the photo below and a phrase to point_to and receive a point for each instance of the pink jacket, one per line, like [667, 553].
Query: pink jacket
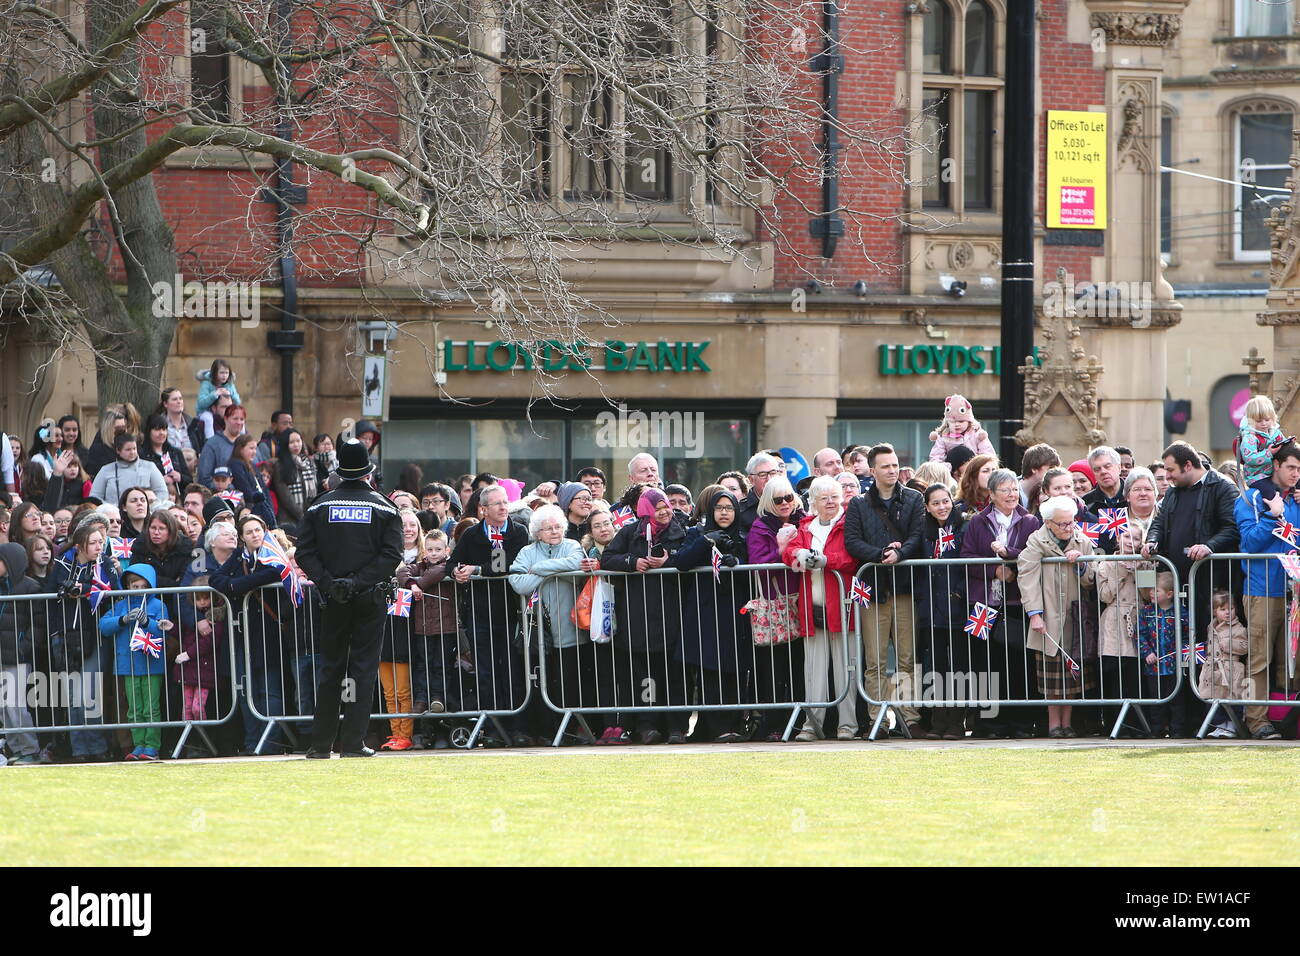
[976, 439]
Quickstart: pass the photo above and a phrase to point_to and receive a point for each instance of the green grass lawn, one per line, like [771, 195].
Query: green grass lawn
[1147, 806]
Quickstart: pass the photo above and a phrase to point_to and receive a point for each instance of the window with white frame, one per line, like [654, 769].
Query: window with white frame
[961, 83]
[1263, 18]
[1262, 140]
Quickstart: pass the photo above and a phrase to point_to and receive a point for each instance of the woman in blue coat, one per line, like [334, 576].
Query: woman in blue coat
[712, 627]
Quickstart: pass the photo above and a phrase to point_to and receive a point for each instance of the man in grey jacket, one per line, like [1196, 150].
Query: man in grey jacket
[129, 470]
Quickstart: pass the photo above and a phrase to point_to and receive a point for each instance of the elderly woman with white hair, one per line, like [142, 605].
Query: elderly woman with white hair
[569, 672]
[817, 550]
[1062, 622]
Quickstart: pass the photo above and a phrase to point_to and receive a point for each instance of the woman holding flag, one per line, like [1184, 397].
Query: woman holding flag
[939, 595]
[79, 577]
[1062, 624]
[713, 631]
[253, 566]
[169, 459]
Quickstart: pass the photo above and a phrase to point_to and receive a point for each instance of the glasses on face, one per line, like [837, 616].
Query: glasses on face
[581, 497]
[782, 499]
[767, 474]
[723, 508]
[594, 483]
[1062, 524]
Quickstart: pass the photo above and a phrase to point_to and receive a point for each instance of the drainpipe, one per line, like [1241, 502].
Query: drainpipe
[828, 227]
[287, 339]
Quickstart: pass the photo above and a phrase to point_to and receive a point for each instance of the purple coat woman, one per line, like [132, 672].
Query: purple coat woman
[981, 532]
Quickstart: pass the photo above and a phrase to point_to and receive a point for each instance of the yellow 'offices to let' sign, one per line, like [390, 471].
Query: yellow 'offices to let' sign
[1076, 170]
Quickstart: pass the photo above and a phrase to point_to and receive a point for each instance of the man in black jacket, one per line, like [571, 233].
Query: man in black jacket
[482, 560]
[882, 527]
[1196, 519]
[350, 544]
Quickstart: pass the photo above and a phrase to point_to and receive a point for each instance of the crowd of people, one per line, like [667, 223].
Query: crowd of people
[670, 643]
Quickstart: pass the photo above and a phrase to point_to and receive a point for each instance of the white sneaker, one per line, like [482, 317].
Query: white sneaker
[847, 733]
[805, 736]
[1221, 732]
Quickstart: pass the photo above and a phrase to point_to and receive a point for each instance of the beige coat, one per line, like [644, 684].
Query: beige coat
[1223, 675]
[1051, 587]
[1117, 587]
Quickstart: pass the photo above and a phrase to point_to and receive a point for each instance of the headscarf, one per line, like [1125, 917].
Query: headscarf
[734, 541]
[647, 505]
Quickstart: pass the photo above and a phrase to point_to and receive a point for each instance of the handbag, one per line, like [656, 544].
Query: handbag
[581, 613]
[772, 620]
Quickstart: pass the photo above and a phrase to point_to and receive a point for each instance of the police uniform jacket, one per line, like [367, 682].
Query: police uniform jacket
[350, 532]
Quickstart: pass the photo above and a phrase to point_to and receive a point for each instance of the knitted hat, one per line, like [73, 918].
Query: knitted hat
[568, 491]
[957, 409]
[1081, 467]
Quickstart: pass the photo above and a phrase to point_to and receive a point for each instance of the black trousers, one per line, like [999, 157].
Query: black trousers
[352, 633]
[1008, 670]
[651, 679]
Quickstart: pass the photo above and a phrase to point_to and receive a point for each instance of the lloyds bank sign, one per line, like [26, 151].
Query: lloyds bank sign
[555, 356]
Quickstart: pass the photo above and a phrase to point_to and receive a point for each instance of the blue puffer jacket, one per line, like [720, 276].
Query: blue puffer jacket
[1264, 578]
[129, 663]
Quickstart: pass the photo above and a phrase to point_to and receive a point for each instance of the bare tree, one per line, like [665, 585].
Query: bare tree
[474, 151]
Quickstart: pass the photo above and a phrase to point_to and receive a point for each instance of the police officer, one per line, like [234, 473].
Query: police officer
[350, 545]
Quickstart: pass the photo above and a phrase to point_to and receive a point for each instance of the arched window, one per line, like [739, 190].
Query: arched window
[937, 38]
[979, 39]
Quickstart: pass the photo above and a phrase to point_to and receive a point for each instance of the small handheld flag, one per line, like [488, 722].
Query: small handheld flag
[1091, 530]
[497, 536]
[1286, 531]
[944, 542]
[98, 585]
[142, 640]
[1114, 521]
[1291, 564]
[622, 516]
[860, 593]
[274, 556]
[980, 621]
[122, 548]
[236, 498]
[715, 561]
[401, 606]
[532, 600]
[167, 467]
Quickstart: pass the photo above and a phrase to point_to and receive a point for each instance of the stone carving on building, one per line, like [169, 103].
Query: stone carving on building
[1061, 392]
[1131, 145]
[1283, 302]
[1137, 29]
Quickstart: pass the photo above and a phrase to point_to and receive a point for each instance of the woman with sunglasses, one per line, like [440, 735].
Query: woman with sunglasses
[778, 670]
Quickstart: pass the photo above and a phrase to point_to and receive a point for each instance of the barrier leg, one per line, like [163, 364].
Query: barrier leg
[473, 734]
[789, 726]
[180, 744]
[270, 726]
[880, 718]
[564, 723]
[1119, 721]
[1209, 719]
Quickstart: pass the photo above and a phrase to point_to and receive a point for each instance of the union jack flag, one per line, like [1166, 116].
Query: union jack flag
[1091, 530]
[401, 606]
[1114, 521]
[122, 547]
[532, 600]
[981, 621]
[274, 556]
[230, 494]
[945, 541]
[860, 593]
[167, 467]
[622, 516]
[715, 561]
[1185, 654]
[1291, 564]
[496, 535]
[1286, 531]
[98, 585]
[142, 640]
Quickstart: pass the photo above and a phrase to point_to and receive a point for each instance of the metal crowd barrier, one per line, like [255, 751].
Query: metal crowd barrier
[680, 644]
[281, 647]
[59, 672]
[924, 606]
[1238, 675]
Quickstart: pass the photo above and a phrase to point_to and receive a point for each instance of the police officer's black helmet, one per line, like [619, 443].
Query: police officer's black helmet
[354, 461]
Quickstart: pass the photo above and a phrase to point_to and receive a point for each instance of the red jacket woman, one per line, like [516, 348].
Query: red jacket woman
[837, 559]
